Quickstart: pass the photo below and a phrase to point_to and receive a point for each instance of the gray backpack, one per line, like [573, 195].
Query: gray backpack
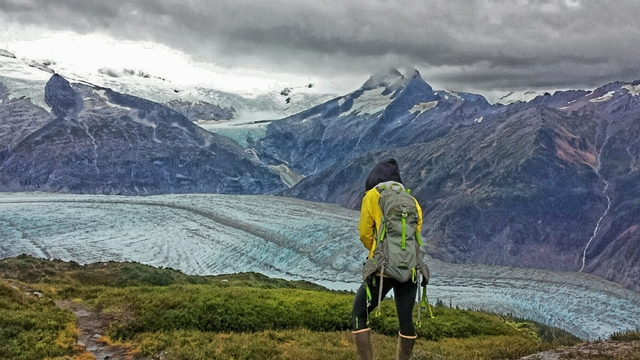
[397, 254]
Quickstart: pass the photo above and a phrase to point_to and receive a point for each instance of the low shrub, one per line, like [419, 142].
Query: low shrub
[225, 309]
[629, 335]
[33, 328]
[447, 323]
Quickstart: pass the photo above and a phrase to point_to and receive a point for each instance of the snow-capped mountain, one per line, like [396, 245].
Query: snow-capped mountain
[550, 183]
[519, 96]
[389, 111]
[26, 77]
[213, 234]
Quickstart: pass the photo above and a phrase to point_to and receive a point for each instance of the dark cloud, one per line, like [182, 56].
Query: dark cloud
[473, 44]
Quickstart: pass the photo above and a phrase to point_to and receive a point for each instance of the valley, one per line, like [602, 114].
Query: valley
[531, 206]
[292, 239]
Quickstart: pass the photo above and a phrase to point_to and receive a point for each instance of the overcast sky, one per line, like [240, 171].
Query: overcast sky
[464, 45]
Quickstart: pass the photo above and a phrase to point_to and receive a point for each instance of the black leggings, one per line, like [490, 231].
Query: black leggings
[404, 294]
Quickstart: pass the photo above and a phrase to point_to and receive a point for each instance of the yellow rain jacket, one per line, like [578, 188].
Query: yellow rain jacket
[371, 219]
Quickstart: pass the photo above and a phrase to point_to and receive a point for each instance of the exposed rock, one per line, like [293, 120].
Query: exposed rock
[18, 119]
[61, 98]
[93, 323]
[5, 53]
[591, 350]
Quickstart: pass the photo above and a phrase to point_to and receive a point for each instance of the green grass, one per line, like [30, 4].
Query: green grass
[33, 328]
[241, 316]
[305, 344]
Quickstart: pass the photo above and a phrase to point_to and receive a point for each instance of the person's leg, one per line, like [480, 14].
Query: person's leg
[405, 296]
[360, 310]
[361, 332]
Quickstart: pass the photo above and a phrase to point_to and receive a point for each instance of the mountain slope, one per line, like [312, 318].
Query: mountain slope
[105, 142]
[386, 112]
[524, 185]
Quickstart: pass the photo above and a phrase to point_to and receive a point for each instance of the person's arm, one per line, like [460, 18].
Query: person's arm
[367, 224]
[419, 227]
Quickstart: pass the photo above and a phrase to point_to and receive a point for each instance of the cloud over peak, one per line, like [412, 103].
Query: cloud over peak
[458, 44]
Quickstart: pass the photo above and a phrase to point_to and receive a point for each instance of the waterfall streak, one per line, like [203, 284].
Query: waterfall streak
[95, 147]
[606, 187]
[595, 231]
[633, 159]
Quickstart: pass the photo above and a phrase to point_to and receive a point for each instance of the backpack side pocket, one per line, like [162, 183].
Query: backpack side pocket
[372, 266]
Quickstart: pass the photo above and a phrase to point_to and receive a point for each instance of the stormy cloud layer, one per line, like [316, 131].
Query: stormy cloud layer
[480, 45]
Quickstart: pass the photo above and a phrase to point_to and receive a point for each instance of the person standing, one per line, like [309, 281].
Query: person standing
[384, 175]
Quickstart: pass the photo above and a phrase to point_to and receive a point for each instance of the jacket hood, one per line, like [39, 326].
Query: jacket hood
[385, 170]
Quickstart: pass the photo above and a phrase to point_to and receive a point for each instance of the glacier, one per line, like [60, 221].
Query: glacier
[24, 77]
[205, 234]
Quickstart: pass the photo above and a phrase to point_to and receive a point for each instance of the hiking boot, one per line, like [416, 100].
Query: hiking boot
[405, 346]
[362, 339]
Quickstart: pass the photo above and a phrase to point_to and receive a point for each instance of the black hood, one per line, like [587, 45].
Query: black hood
[385, 170]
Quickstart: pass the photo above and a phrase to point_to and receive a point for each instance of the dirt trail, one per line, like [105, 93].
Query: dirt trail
[91, 327]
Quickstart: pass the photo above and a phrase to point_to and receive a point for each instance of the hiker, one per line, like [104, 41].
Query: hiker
[384, 175]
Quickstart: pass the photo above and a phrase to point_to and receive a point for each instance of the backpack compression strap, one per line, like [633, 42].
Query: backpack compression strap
[404, 230]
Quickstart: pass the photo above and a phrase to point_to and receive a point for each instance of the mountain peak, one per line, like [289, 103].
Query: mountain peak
[390, 78]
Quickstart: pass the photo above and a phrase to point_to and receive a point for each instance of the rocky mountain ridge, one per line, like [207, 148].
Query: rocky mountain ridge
[548, 184]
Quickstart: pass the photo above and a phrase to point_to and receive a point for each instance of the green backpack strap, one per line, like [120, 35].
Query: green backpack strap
[425, 301]
[404, 230]
[383, 231]
[368, 300]
[378, 311]
[424, 304]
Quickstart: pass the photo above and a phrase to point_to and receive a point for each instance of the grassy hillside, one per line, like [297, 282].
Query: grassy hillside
[164, 313]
